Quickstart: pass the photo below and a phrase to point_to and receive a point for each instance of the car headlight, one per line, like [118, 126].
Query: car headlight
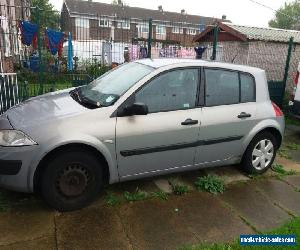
[14, 138]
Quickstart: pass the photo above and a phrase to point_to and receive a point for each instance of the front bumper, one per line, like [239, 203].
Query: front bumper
[16, 164]
[295, 110]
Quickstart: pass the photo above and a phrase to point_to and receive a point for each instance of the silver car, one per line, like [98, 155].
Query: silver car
[144, 118]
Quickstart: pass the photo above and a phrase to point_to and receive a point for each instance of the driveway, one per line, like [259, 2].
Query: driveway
[248, 205]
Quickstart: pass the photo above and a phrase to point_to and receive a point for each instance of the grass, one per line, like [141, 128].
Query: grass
[112, 199]
[179, 188]
[160, 195]
[137, 195]
[291, 227]
[279, 169]
[284, 153]
[210, 183]
[293, 146]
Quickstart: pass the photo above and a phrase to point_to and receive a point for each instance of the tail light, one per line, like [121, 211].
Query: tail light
[277, 110]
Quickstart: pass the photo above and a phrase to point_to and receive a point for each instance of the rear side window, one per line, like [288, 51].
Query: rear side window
[224, 87]
[247, 88]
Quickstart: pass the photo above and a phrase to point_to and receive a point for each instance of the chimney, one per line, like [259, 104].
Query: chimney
[224, 18]
[160, 8]
[183, 11]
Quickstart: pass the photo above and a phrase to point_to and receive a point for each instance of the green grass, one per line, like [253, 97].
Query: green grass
[179, 188]
[137, 195]
[291, 227]
[160, 195]
[284, 153]
[112, 199]
[210, 183]
[293, 146]
[10, 200]
[279, 169]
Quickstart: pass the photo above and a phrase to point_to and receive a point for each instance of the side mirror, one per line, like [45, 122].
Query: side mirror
[136, 109]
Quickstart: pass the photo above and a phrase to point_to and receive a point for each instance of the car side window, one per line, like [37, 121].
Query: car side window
[222, 87]
[174, 90]
[247, 88]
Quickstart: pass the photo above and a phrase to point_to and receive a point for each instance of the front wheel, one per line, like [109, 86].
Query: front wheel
[260, 153]
[71, 180]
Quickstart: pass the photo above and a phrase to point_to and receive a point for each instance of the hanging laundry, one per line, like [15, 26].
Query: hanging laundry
[133, 52]
[29, 33]
[143, 52]
[54, 41]
[70, 53]
[5, 31]
[199, 51]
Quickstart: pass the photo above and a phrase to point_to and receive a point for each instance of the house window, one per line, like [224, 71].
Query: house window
[177, 30]
[191, 31]
[143, 28]
[125, 24]
[104, 23]
[82, 23]
[160, 30]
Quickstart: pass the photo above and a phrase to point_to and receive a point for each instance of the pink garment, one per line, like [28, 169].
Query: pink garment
[134, 52]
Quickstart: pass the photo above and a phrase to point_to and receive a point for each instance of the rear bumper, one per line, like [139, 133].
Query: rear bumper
[10, 167]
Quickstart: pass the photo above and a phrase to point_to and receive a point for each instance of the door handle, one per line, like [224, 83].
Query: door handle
[189, 122]
[244, 115]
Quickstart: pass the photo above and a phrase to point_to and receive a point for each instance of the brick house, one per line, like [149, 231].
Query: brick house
[10, 47]
[266, 48]
[89, 20]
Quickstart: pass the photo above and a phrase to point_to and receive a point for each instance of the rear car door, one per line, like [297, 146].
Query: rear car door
[164, 139]
[229, 113]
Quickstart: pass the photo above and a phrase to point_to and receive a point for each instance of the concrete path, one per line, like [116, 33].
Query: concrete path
[247, 207]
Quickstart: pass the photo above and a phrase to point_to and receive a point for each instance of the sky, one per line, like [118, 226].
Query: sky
[243, 12]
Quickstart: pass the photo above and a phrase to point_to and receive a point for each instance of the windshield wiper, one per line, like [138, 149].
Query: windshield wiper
[78, 97]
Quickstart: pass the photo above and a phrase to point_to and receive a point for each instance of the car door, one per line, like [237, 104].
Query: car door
[164, 139]
[229, 113]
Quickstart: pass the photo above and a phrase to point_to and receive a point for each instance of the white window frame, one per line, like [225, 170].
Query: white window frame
[161, 30]
[177, 30]
[106, 22]
[124, 24]
[82, 22]
[191, 31]
[143, 28]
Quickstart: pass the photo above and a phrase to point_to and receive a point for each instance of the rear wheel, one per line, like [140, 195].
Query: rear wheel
[260, 153]
[71, 180]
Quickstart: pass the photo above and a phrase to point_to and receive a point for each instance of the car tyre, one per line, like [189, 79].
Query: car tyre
[71, 180]
[260, 153]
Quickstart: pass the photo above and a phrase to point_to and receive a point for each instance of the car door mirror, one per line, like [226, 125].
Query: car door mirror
[136, 109]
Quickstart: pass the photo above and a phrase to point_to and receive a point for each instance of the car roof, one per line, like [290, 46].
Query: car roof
[158, 63]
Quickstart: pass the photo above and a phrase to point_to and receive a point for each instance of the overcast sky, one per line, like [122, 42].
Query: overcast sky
[242, 12]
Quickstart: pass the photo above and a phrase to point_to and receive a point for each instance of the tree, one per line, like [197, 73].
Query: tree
[287, 17]
[47, 15]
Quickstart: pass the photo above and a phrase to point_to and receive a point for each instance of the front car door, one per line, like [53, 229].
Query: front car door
[229, 113]
[163, 140]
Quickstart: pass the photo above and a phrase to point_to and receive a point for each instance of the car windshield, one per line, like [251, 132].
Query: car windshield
[107, 89]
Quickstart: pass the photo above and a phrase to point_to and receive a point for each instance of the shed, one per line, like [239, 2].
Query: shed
[266, 48]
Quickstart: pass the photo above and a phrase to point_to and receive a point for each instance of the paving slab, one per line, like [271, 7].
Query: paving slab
[131, 186]
[288, 164]
[282, 193]
[229, 174]
[26, 223]
[209, 219]
[185, 220]
[45, 243]
[293, 180]
[163, 185]
[91, 228]
[254, 206]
